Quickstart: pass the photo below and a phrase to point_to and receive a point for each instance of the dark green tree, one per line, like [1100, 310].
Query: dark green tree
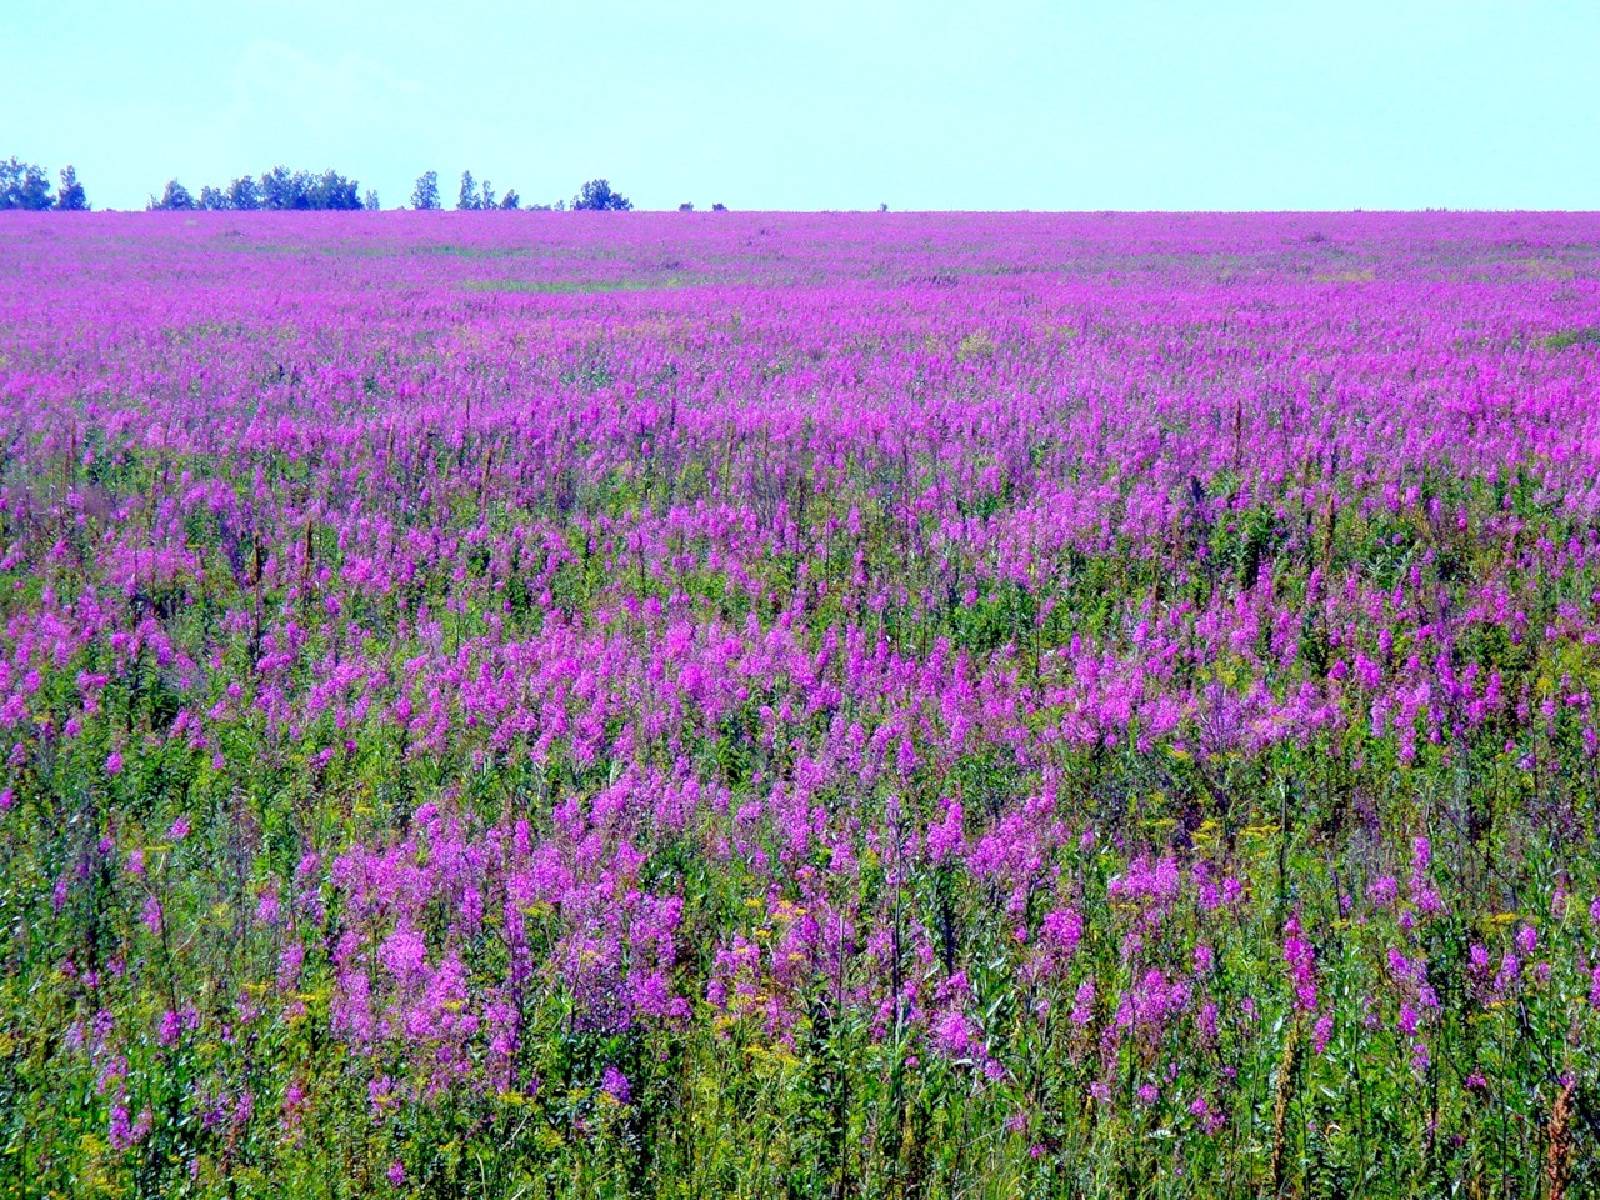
[70, 196]
[467, 197]
[23, 185]
[214, 199]
[330, 191]
[244, 195]
[175, 198]
[510, 201]
[425, 196]
[36, 195]
[370, 201]
[597, 196]
[283, 190]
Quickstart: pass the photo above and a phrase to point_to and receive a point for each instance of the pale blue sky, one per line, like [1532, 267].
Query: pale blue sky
[1000, 104]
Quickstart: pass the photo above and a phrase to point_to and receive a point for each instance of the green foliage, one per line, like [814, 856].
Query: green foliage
[1566, 338]
[24, 186]
[425, 195]
[174, 198]
[70, 196]
[597, 196]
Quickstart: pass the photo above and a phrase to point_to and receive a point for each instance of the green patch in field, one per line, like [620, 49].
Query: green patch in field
[575, 287]
[1567, 338]
[457, 250]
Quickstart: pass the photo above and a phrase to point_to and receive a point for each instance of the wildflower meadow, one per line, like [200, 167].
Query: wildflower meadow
[841, 705]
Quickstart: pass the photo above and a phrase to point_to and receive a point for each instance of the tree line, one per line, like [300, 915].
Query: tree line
[597, 195]
[283, 190]
[278, 190]
[26, 186]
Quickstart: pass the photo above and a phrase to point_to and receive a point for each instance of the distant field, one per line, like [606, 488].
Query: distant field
[566, 704]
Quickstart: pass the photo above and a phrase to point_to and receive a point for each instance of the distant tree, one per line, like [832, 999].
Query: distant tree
[685, 207]
[10, 183]
[883, 208]
[597, 196]
[559, 206]
[425, 196]
[467, 198]
[282, 190]
[719, 208]
[36, 195]
[70, 196]
[329, 191]
[370, 201]
[20, 184]
[23, 185]
[175, 198]
[244, 195]
[510, 201]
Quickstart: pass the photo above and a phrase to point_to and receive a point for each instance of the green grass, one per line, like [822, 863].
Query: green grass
[1567, 338]
[575, 287]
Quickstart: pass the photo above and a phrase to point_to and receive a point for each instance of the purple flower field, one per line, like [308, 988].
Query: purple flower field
[840, 705]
